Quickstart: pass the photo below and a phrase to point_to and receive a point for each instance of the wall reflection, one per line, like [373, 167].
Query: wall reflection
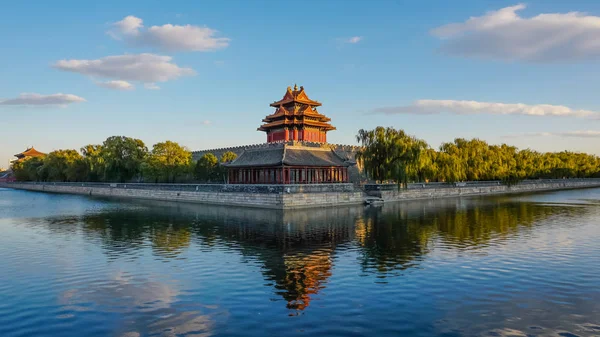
[298, 249]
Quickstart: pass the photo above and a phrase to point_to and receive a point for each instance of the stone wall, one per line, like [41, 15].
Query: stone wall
[485, 189]
[263, 196]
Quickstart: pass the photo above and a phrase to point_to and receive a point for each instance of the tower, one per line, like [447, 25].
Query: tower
[296, 119]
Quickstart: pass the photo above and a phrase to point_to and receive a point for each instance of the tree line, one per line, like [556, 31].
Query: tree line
[124, 159]
[392, 155]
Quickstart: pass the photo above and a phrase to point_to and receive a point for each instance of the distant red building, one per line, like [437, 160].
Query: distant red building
[8, 176]
[30, 152]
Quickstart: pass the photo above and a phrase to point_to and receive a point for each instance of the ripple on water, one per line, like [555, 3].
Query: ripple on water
[522, 266]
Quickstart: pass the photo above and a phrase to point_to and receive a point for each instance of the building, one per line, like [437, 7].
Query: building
[296, 151]
[29, 153]
[296, 119]
[8, 176]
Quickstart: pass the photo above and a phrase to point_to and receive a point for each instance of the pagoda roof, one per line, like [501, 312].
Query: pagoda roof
[282, 111]
[289, 155]
[30, 152]
[280, 122]
[295, 95]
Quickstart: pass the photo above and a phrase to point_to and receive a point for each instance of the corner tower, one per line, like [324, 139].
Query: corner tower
[296, 119]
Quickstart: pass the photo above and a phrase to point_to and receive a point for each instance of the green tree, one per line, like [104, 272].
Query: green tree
[123, 158]
[92, 157]
[207, 168]
[29, 169]
[168, 161]
[389, 154]
[64, 165]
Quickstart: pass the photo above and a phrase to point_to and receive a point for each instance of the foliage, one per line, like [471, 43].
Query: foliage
[167, 162]
[123, 158]
[92, 157]
[228, 157]
[390, 154]
[28, 169]
[63, 165]
[207, 168]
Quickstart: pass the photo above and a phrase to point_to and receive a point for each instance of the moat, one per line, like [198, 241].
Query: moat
[511, 265]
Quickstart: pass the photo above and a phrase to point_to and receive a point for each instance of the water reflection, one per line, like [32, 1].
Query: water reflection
[297, 249]
[480, 266]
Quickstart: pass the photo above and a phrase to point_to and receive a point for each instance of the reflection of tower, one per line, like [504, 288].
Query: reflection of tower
[305, 276]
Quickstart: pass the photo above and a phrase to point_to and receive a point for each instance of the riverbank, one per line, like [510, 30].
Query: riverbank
[261, 196]
[297, 196]
[390, 193]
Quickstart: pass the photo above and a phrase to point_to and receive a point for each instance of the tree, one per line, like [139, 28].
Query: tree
[228, 157]
[64, 165]
[92, 157]
[389, 154]
[168, 161]
[207, 168]
[123, 158]
[28, 169]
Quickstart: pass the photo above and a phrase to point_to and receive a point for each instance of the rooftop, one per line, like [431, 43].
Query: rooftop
[289, 155]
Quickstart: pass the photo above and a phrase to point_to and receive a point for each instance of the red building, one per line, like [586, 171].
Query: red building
[296, 119]
[296, 151]
[30, 152]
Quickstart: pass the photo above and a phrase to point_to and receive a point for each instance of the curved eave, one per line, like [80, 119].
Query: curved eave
[294, 100]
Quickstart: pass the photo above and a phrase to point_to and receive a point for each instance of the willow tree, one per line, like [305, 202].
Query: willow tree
[389, 154]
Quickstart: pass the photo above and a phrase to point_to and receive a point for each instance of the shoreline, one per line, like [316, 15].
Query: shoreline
[296, 196]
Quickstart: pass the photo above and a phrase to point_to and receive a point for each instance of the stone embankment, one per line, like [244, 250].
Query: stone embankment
[390, 193]
[263, 196]
[298, 196]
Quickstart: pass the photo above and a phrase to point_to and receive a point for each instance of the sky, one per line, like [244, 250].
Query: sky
[203, 73]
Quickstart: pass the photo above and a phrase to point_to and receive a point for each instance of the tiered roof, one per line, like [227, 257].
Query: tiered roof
[30, 152]
[289, 155]
[296, 109]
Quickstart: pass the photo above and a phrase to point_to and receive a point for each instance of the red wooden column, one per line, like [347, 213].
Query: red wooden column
[287, 134]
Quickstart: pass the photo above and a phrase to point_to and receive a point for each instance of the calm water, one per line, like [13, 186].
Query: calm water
[509, 266]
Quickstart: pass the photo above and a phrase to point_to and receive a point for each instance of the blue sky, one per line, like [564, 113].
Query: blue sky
[524, 74]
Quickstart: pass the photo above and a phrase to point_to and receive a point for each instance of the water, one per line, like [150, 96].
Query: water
[499, 266]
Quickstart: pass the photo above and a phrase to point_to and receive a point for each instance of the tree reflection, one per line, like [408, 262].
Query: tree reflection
[297, 249]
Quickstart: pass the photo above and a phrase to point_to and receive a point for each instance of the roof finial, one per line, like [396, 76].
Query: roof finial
[295, 87]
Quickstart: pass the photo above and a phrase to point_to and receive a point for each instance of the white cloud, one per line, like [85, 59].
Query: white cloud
[504, 35]
[145, 68]
[571, 134]
[354, 39]
[431, 106]
[32, 99]
[128, 27]
[206, 122]
[167, 37]
[116, 85]
[151, 86]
